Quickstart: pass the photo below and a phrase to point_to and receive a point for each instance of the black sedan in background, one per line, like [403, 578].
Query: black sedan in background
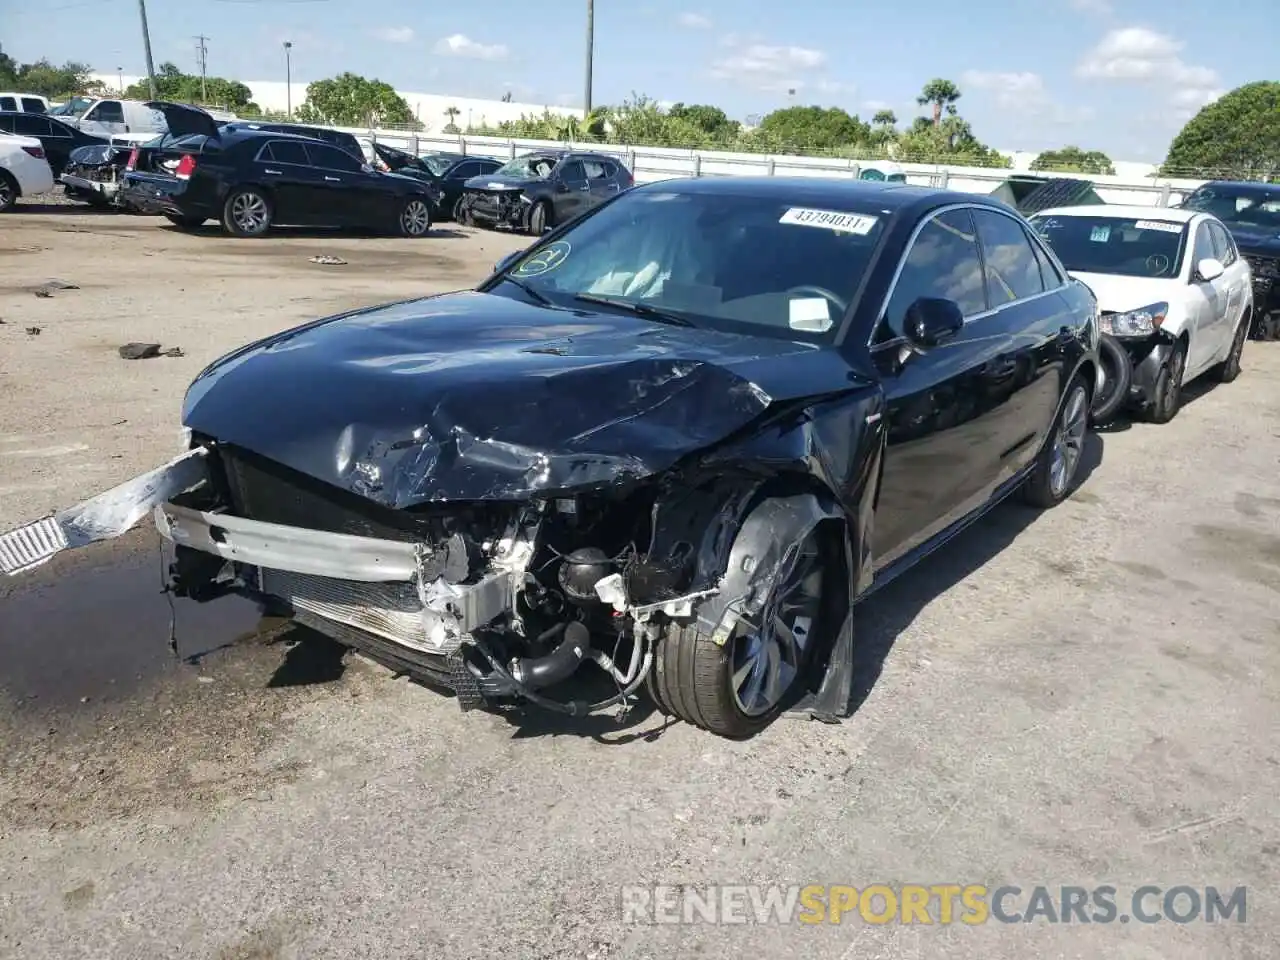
[669, 446]
[57, 138]
[336, 137]
[251, 180]
[543, 189]
[448, 171]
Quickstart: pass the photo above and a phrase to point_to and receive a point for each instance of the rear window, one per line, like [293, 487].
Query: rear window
[32, 106]
[8, 103]
[1121, 246]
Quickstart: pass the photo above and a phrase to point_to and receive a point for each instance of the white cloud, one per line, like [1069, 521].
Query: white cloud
[778, 69]
[1025, 93]
[694, 21]
[459, 45]
[393, 34]
[876, 105]
[1142, 55]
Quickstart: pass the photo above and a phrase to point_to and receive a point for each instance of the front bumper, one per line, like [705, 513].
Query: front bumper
[507, 208]
[107, 189]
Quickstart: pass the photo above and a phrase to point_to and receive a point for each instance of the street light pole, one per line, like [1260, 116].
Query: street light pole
[288, 81]
[146, 45]
[591, 30]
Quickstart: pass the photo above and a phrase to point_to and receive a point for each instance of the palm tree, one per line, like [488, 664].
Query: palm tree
[885, 118]
[940, 94]
[451, 113]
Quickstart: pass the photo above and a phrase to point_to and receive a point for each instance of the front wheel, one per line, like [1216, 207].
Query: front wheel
[538, 219]
[1167, 400]
[1115, 378]
[8, 191]
[735, 685]
[415, 218]
[1055, 472]
[246, 213]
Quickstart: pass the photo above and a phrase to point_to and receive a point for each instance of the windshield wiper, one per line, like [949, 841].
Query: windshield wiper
[639, 309]
[541, 298]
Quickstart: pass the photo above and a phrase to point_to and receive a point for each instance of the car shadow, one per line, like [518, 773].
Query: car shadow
[310, 658]
[882, 618]
[214, 229]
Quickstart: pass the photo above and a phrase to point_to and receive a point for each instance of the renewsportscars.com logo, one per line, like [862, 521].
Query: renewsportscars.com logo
[937, 903]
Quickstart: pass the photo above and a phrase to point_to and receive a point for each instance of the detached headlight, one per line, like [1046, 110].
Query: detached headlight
[1142, 322]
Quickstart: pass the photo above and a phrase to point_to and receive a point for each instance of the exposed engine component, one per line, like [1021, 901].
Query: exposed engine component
[559, 663]
[581, 570]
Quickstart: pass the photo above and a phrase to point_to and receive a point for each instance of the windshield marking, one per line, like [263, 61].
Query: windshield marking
[829, 220]
[1164, 225]
[544, 260]
[1100, 234]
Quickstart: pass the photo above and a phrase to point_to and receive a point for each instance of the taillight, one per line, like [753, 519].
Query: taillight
[133, 160]
[37, 152]
[186, 167]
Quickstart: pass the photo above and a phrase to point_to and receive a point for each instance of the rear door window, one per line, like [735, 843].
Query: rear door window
[287, 151]
[8, 103]
[331, 158]
[31, 125]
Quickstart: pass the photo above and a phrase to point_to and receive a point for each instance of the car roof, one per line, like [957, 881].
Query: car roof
[888, 195]
[1253, 185]
[1129, 211]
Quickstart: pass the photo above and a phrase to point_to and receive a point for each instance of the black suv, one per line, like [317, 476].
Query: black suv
[544, 189]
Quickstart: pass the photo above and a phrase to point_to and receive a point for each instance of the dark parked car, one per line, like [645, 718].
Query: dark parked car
[251, 180]
[543, 189]
[336, 137]
[448, 171]
[1251, 211]
[57, 138]
[680, 437]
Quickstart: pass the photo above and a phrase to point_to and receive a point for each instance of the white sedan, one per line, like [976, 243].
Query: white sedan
[24, 169]
[1173, 292]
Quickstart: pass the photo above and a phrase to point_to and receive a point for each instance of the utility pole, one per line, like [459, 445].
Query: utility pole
[591, 42]
[203, 53]
[146, 44]
[288, 81]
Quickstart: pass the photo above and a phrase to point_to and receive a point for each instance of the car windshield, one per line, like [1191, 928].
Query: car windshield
[438, 166]
[1247, 207]
[733, 262]
[1123, 246]
[529, 168]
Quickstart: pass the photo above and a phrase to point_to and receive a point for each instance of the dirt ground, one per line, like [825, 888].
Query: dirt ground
[1087, 696]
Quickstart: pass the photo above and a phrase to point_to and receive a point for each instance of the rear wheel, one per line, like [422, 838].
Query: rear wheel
[1168, 392]
[1055, 473]
[415, 218]
[246, 213]
[736, 687]
[8, 191]
[183, 222]
[1229, 368]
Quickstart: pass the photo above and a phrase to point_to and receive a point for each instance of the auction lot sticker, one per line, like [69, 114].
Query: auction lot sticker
[1162, 225]
[829, 220]
[544, 260]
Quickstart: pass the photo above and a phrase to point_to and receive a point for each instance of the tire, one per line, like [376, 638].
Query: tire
[9, 191]
[414, 219]
[1057, 466]
[1168, 390]
[456, 212]
[722, 687]
[1229, 369]
[247, 212]
[539, 217]
[185, 223]
[1117, 377]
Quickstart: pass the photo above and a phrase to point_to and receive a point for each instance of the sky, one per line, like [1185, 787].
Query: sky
[1120, 76]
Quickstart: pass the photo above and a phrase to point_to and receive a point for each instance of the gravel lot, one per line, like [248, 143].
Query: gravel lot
[1082, 697]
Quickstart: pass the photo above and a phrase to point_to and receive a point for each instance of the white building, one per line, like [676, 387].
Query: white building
[429, 108]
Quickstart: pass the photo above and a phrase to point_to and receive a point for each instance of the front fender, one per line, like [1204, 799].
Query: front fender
[1147, 365]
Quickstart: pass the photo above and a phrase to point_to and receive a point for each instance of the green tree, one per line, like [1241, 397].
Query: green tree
[452, 126]
[44, 78]
[1074, 160]
[813, 128]
[1237, 135]
[942, 95]
[885, 118]
[173, 84]
[352, 100]
[710, 122]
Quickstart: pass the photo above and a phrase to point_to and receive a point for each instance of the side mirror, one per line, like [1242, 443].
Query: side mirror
[1210, 268]
[933, 320]
[506, 261]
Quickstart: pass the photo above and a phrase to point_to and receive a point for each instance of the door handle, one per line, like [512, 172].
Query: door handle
[334, 179]
[276, 172]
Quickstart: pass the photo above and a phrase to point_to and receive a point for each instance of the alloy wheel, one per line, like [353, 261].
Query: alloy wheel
[767, 658]
[249, 211]
[1068, 442]
[1173, 383]
[6, 194]
[416, 218]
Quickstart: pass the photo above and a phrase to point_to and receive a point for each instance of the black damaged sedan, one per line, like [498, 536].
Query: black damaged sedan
[667, 448]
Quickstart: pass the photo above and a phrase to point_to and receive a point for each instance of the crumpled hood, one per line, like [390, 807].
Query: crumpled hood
[1256, 240]
[1119, 294]
[490, 181]
[473, 396]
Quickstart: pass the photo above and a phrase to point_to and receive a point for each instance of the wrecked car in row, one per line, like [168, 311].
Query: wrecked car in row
[667, 448]
[541, 190]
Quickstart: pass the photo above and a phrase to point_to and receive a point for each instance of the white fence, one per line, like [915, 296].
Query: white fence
[663, 163]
